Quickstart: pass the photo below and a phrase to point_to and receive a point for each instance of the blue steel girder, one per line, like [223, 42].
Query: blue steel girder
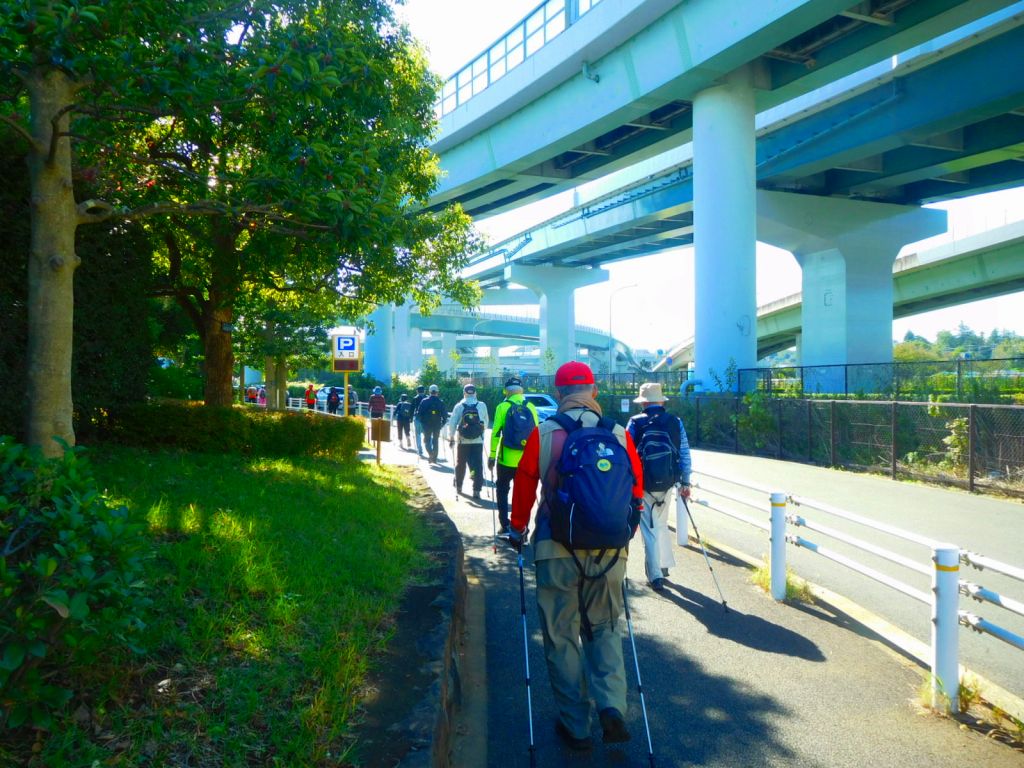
[871, 144]
[645, 107]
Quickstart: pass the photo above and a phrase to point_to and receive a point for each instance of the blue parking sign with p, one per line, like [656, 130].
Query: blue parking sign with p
[346, 343]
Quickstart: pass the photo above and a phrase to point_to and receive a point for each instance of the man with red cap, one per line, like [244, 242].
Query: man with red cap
[576, 588]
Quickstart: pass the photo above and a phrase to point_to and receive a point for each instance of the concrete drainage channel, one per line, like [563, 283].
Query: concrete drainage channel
[411, 697]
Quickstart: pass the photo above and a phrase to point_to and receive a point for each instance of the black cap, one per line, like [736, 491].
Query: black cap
[421, 389]
[402, 397]
[515, 381]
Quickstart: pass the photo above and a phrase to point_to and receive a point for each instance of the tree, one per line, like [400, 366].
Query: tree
[286, 139]
[914, 351]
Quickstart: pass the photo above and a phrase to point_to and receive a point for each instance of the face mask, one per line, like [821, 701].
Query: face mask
[470, 399]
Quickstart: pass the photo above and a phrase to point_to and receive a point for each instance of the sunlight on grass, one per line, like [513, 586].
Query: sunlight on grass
[274, 581]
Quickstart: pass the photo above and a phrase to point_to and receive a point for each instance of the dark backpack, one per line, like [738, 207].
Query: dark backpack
[517, 427]
[432, 416]
[334, 398]
[470, 426]
[658, 446]
[404, 412]
[592, 505]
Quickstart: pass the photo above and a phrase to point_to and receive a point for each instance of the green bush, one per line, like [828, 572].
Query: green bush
[251, 431]
[70, 588]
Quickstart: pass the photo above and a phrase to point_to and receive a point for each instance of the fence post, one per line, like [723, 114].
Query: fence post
[972, 443]
[696, 436]
[810, 431]
[892, 469]
[736, 426]
[959, 379]
[834, 431]
[945, 628]
[846, 381]
[777, 561]
[778, 447]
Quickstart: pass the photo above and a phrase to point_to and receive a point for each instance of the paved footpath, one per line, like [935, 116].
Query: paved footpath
[761, 684]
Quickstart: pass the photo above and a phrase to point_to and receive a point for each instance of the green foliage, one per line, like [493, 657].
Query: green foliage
[755, 421]
[70, 586]
[174, 381]
[254, 431]
[914, 351]
[275, 579]
[548, 362]
[725, 383]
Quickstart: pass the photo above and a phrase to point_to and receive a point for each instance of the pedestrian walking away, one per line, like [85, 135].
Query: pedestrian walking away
[333, 400]
[514, 420]
[432, 415]
[586, 466]
[660, 439]
[377, 404]
[403, 418]
[310, 397]
[466, 428]
[421, 395]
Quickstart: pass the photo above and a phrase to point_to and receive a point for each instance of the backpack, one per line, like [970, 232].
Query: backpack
[592, 505]
[334, 398]
[433, 415]
[659, 451]
[470, 426]
[518, 425]
[404, 412]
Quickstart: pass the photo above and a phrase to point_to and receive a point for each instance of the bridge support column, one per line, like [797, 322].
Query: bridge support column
[725, 227]
[444, 357]
[846, 250]
[408, 356]
[379, 355]
[556, 288]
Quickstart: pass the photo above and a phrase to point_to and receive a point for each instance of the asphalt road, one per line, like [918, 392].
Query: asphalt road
[762, 684]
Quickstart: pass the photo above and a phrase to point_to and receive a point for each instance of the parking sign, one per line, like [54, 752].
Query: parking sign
[345, 351]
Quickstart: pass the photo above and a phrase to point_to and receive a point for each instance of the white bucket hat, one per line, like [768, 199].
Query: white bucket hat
[650, 393]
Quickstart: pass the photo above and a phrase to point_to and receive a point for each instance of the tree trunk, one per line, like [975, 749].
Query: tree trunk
[220, 357]
[282, 381]
[51, 267]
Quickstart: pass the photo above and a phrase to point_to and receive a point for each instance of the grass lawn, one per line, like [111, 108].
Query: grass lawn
[272, 581]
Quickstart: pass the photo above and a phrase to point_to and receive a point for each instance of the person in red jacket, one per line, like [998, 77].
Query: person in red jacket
[310, 397]
[573, 660]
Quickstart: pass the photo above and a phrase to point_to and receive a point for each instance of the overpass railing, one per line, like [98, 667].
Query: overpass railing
[961, 379]
[941, 566]
[539, 27]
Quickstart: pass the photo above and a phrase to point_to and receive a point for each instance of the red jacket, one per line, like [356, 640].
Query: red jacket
[377, 405]
[528, 475]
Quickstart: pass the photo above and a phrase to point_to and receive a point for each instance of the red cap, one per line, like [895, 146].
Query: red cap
[573, 373]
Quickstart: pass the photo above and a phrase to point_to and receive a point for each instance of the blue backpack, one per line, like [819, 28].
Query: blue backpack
[592, 505]
[518, 426]
[657, 442]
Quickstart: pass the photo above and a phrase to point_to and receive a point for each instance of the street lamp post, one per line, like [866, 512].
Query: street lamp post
[476, 348]
[611, 345]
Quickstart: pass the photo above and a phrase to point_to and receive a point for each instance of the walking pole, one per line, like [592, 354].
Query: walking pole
[707, 560]
[526, 659]
[494, 512]
[636, 664]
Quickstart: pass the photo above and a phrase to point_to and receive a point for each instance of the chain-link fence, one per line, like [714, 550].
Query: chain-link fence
[978, 447]
[989, 381]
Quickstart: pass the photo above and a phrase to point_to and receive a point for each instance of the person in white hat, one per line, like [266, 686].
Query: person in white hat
[660, 439]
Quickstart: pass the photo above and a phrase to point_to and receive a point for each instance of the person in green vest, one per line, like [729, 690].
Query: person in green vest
[514, 420]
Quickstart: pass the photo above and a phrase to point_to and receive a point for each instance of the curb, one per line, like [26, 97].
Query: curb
[416, 685]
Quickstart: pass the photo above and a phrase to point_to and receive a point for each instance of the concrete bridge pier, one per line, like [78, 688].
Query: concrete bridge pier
[379, 352]
[556, 289]
[725, 228]
[846, 250]
[448, 347]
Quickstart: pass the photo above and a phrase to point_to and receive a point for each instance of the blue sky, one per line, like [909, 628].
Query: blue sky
[659, 311]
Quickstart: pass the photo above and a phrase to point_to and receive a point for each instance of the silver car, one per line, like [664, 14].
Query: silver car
[545, 404]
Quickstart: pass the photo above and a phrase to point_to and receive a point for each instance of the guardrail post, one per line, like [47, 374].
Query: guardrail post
[945, 628]
[777, 561]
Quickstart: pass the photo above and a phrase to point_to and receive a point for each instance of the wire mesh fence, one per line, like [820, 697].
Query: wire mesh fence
[993, 381]
[978, 447]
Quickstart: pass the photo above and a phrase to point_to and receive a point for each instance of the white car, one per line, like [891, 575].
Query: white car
[545, 404]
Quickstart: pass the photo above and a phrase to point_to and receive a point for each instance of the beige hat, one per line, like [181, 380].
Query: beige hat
[650, 393]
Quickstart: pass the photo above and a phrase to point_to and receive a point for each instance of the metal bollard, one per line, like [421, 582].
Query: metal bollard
[778, 546]
[945, 628]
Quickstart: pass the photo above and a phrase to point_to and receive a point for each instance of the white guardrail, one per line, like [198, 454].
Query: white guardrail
[361, 409]
[944, 570]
